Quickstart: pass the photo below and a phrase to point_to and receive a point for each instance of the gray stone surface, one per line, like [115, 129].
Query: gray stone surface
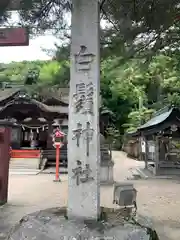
[106, 174]
[24, 163]
[52, 225]
[83, 134]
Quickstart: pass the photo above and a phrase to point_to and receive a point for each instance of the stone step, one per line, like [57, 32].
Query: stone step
[24, 167]
[23, 164]
[27, 163]
[24, 172]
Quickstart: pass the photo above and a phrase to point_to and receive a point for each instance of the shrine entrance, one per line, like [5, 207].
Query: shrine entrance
[28, 136]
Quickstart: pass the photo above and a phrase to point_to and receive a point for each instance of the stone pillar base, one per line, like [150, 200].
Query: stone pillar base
[58, 226]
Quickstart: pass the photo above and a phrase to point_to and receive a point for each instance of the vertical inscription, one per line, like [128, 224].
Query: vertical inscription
[77, 134]
[82, 175]
[88, 135]
[79, 97]
[83, 98]
[86, 174]
[89, 99]
[83, 59]
[77, 172]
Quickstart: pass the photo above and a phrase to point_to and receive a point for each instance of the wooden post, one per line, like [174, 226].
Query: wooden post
[139, 149]
[146, 153]
[144, 150]
[156, 170]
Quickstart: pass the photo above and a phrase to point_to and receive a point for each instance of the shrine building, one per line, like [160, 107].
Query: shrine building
[35, 120]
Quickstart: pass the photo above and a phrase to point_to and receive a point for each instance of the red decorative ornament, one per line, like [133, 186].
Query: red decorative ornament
[59, 134]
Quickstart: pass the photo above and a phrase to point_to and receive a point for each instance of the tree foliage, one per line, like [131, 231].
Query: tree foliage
[130, 92]
[133, 92]
[132, 88]
[36, 72]
[132, 26]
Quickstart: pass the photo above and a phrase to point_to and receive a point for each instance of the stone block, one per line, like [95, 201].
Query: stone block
[124, 194]
[106, 173]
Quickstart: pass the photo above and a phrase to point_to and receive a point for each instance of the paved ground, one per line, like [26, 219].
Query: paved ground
[159, 200]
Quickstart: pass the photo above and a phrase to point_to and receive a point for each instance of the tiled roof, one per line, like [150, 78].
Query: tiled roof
[156, 120]
[53, 109]
[42, 106]
[10, 92]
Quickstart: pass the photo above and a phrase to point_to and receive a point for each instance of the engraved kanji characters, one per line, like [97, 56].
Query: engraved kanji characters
[79, 97]
[83, 98]
[82, 175]
[77, 133]
[77, 172]
[86, 133]
[89, 99]
[86, 174]
[83, 59]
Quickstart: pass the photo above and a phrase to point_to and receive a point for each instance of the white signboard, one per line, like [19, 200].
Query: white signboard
[143, 146]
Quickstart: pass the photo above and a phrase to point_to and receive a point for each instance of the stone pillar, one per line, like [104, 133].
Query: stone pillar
[83, 134]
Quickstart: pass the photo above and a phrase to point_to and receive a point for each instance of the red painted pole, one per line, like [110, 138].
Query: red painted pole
[57, 162]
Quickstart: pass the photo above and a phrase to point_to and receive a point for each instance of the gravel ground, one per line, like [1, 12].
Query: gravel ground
[158, 200]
